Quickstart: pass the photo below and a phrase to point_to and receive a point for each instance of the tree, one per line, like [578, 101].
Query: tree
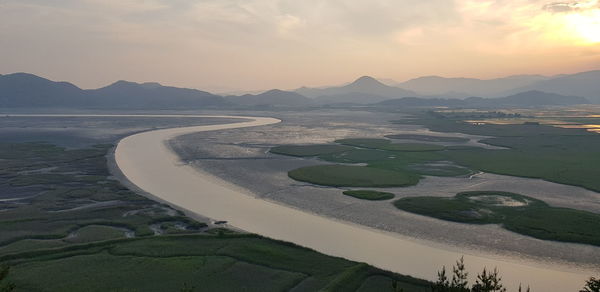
[591, 285]
[488, 282]
[459, 277]
[6, 287]
[442, 284]
[521, 289]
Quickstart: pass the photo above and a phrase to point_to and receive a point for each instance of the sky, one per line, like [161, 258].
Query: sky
[232, 45]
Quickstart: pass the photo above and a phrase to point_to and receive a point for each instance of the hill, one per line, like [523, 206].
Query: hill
[535, 98]
[523, 99]
[465, 87]
[273, 97]
[22, 90]
[124, 94]
[586, 84]
[363, 90]
[28, 90]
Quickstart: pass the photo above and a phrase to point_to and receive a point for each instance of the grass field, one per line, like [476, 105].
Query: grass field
[205, 262]
[352, 176]
[566, 156]
[369, 195]
[514, 212]
[309, 150]
[72, 228]
[385, 144]
[67, 196]
[387, 164]
[426, 138]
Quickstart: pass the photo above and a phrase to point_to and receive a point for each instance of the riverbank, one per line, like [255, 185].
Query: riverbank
[148, 163]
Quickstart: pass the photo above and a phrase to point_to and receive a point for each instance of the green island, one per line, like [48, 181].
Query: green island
[77, 229]
[532, 150]
[384, 164]
[352, 176]
[518, 213]
[561, 155]
[426, 138]
[385, 144]
[369, 195]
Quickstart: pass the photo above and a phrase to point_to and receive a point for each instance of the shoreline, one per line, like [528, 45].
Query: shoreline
[137, 168]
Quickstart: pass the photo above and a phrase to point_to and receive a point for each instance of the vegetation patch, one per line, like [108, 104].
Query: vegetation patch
[70, 230]
[518, 213]
[205, 262]
[93, 233]
[427, 138]
[309, 150]
[352, 176]
[566, 156]
[385, 164]
[369, 195]
[439, 168]
[385, 144]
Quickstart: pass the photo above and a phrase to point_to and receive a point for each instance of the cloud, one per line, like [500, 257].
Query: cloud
[243, 42]
[562, 7]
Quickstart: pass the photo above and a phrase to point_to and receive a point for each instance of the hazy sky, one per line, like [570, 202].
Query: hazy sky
[225, 45]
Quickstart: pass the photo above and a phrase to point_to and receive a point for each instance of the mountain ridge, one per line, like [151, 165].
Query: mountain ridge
[29, 90]
[363, 90]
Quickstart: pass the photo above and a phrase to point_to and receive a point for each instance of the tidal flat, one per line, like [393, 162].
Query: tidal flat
[65, 218]
[242, 157]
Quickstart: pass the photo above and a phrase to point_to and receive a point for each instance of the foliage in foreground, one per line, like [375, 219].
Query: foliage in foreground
[486, 281]
[592, 285]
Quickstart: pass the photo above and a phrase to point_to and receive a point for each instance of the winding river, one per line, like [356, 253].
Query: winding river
[148, 163]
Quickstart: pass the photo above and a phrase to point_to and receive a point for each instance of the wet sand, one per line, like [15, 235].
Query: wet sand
[146, 161]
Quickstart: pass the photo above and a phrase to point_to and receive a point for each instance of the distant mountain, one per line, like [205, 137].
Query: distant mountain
[349, 98]
[536, 98]
[28, 90]
[523, 99]
[364, 90]
[586, 84]
[273, 97]
[464, 87]
[124, 94]
[422, 102]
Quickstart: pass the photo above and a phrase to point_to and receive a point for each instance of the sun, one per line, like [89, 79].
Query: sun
[585, 25]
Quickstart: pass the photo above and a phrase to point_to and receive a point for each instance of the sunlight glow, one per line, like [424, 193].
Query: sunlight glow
[586, 25]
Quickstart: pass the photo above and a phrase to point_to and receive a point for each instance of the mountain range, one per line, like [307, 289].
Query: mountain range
[585, 84]
[27, 90]
[22, 90]
[272, 97]
[524, 99]
[364, 90]
[466, 87]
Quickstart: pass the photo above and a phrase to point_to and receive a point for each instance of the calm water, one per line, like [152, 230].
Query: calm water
[148, 163]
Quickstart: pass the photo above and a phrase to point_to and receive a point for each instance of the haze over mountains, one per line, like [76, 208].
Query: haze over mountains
[467, 87]
[270, 98]
[364, 90]
[22, 90]
[524, 99]
[27, 90]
